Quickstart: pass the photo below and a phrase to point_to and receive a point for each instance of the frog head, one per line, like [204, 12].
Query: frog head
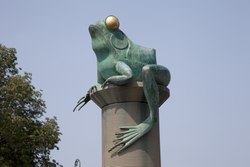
[108, 39]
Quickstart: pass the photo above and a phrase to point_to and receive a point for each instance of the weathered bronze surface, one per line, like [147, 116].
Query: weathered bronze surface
[122, 62]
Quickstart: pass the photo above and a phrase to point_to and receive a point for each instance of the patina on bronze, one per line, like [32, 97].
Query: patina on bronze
[121, 62]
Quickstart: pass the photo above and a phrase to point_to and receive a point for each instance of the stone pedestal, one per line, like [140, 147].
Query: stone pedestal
[127, 106]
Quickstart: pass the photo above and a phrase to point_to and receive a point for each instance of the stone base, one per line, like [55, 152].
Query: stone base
[126, 106]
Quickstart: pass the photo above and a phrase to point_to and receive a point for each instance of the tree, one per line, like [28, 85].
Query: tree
[25, 139]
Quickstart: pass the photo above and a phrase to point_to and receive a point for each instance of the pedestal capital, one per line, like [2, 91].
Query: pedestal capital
[132, 92]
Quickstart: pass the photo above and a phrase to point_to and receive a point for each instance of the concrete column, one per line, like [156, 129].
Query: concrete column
[122, 106]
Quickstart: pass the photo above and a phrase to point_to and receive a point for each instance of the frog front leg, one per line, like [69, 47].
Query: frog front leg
[125, 76]
[152, 75]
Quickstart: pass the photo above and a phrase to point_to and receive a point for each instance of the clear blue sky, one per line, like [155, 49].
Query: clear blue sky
[205, 44]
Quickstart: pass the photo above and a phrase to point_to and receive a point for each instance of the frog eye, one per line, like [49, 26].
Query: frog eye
[112, 22]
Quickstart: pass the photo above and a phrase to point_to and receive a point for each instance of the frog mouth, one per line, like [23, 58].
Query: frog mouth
[93, 30]
[96, 31]
[100, 43]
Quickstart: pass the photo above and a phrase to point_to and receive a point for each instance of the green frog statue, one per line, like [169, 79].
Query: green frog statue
[119, 62]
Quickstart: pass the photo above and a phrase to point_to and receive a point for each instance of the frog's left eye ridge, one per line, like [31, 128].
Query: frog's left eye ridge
[112, 22]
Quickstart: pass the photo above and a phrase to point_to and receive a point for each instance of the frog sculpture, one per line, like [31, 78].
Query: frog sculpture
[119, 62]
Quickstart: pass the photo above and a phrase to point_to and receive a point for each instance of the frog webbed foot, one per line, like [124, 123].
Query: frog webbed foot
[85, 99]
[94, 88]
[130, 134]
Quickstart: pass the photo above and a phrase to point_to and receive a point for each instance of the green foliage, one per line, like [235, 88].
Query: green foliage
[25, 139]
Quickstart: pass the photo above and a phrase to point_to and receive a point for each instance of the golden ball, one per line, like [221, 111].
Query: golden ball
[112, 22]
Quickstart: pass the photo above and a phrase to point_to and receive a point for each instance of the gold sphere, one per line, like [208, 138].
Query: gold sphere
[112, 22]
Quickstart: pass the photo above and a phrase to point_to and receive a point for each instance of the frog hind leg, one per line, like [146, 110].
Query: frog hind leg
[151, 76]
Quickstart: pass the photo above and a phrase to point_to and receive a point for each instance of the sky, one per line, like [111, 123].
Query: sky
[204, 44]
